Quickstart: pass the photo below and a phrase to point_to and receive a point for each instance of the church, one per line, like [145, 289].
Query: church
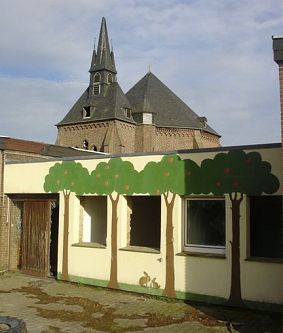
[148, 118]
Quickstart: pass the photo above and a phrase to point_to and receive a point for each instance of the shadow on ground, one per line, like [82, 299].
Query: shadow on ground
[242, 320]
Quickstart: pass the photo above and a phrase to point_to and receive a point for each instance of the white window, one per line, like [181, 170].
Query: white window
[204, 229]
[147, 118]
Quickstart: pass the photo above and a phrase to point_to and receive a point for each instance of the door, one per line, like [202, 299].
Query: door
[35, 237]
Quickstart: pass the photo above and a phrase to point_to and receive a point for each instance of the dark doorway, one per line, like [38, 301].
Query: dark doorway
[53, 253]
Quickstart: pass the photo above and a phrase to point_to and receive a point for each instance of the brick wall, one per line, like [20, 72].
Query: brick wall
[118, 137]
[6, 233]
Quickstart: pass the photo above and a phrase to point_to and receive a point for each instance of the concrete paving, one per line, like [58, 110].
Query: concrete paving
[50, 306]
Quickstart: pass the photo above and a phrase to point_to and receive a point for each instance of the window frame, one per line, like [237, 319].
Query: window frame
[198, 248]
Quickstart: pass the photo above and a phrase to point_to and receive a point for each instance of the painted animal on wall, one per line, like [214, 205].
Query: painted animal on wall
[165, 178]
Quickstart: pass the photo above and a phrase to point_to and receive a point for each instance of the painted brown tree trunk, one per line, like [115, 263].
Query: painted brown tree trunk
[113, 280]
[65, 273]
[235, 298]
[169, 290]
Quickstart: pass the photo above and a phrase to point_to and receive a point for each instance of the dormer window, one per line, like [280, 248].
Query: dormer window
[147, 118]
[203, 121]
[109, 78]
[128, 112]
[86, 112]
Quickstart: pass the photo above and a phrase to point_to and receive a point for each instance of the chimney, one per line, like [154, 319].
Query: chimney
[278, 58]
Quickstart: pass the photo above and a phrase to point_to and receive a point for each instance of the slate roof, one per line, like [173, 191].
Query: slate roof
[153, 96]
[110, 106]
[104, 58]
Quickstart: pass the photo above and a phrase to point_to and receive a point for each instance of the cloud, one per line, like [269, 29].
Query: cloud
[216, 55]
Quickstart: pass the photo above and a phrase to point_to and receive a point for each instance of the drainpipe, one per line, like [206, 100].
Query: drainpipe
[278, 58]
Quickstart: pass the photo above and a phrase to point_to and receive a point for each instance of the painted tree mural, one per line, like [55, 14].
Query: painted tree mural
[66, 177]
[166, 178]
[237, 173]
[114, 178]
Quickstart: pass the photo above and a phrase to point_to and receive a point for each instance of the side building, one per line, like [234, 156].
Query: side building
[17, 150]
[149, 117]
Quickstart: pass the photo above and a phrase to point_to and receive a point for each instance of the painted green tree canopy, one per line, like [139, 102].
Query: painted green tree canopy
[165, 176]
[116, 175]
[237, 172]
[67, 176]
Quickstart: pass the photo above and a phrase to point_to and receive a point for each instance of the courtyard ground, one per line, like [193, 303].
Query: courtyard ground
[51, 306]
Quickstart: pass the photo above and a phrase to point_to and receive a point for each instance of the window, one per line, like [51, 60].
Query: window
[110, 78]
[96, 89]
[85, 144]
[94, 219]
[144, 213]
[266, 231]
[127, 112]
[205, 225]
[86, 112]
[147, 118]
[94, 148]
[97, 77]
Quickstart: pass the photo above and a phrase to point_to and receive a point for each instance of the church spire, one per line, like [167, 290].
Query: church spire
[103, 59]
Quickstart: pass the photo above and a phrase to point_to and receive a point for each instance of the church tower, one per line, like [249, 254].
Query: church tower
[101, 119]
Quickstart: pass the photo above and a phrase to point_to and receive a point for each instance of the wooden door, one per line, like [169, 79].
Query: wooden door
[35, 238]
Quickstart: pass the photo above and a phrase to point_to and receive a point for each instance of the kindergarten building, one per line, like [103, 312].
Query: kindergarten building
[199, 224]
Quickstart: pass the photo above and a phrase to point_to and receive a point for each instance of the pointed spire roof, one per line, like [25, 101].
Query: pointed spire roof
[104, 57]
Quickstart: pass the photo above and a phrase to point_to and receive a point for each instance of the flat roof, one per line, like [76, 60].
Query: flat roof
[182, 151]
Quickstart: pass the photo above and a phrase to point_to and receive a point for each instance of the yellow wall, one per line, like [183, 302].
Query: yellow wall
[261, 281]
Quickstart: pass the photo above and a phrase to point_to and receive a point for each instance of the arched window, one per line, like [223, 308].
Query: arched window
[110, 78]
[94, 148]
[85, 144]
[97, 78]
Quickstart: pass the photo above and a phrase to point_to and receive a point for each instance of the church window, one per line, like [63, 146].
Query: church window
[97, 77]
[110, 78]
[96, 89]
[94, 148]
[85, 144]
[86, 112]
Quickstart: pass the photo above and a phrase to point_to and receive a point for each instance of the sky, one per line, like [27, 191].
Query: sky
[216, 55]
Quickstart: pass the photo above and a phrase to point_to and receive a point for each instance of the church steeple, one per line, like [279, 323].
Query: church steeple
[102, 69]
[103, 59]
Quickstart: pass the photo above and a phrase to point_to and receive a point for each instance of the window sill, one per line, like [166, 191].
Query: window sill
[140, 249]
[91, 245]
[266, 260]
[201, 254]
